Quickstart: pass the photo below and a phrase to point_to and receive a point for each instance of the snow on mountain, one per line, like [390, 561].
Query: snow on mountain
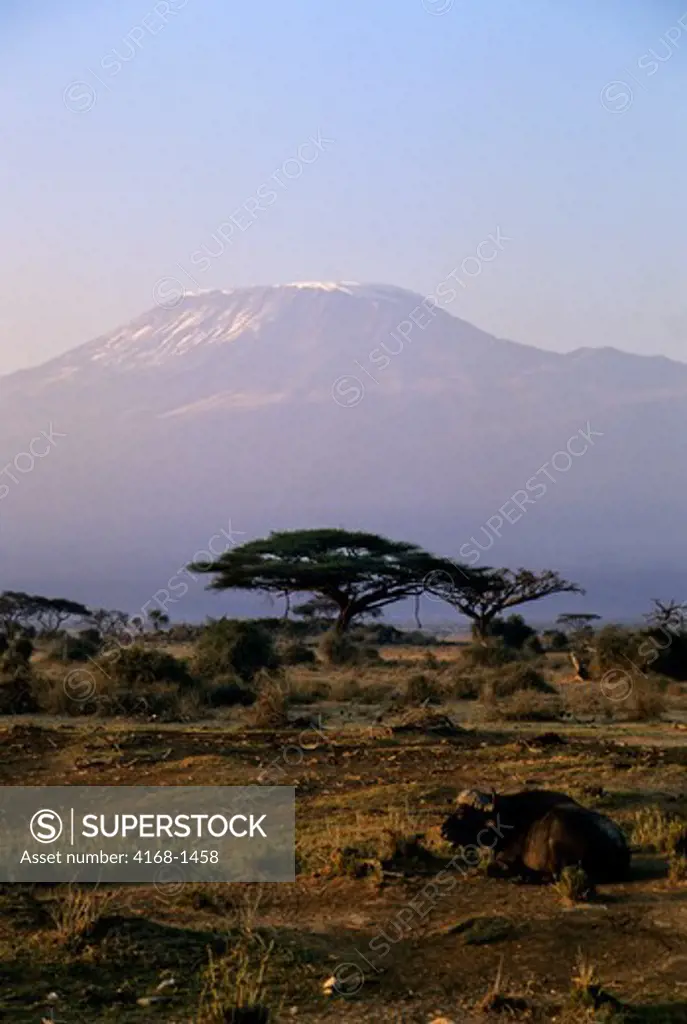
[324, 402]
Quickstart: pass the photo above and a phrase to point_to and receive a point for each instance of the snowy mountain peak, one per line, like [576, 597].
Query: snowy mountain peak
[212, 318]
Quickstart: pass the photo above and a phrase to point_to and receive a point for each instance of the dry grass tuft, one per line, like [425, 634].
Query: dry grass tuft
[677, 868]
[234, 989]
[271, 707]
[420, 689]
[76, 911]
[574, 886]
[655, 831]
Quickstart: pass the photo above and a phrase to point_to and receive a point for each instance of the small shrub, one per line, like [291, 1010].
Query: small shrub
[420, 689]
[235, 647]
[383, 634]
[615, 646]
[520, 676]
[677, 868]
[15, 656]
[233, 986]
[654, 830]
[298, 653]
[270, 710]
[17, 691]
[338, 649]
[183, 633]
[589, 1002]
[514, 632]
[555, 640]
[645, 702]
[306, 688]
[229, 691]
[137, 665]
[493, 654]
[62, 695]
[574, 886]
[415, 638]
[82, 647]
[530, 706]
[75, 913]
[465, 687]
[345, 688]
[163, 701]
[459, 683]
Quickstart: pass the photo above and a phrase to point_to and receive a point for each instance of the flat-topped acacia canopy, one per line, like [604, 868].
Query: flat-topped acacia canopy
[358, 571]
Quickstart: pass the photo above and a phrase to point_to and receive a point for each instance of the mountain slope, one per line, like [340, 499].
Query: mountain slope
[276, 407]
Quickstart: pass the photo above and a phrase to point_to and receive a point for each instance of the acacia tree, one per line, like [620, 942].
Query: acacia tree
[489, 593]
[52, 613]
[577, 622]
[109, 622]
[159, 619]
[359, 572]
[19, 610]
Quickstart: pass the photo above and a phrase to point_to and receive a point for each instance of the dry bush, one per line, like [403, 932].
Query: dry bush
[76, 911]
[338, 649]
[496, 1001]
[677, 868]
[228, 691]
[587, 699]
[486, 684]
[492, 654]
[588, 1000]
[270, 710]
[654, 830]
[645, 703]
[162, 701]
[233, 986]
[297, 653]
[420, 689]
[574, 886]
[137, 665]
[344, 687]
[530, 706]
[459, 683]
[520, 676]
[234, 647]
[306, 689]
[18, 691]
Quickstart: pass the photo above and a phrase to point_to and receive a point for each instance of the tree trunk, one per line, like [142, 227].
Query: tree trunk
[344, 618]
[480, 629]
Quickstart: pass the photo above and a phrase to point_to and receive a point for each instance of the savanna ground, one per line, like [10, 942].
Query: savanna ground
[389, 747]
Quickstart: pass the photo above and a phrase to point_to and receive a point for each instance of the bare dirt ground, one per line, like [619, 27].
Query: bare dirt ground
[391, 936]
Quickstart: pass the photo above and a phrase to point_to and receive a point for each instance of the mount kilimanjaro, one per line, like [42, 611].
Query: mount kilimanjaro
[350, 405]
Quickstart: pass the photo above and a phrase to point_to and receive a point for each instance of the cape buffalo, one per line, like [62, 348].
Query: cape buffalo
[537, 833]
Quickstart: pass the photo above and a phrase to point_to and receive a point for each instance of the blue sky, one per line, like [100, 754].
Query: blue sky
[132, 130]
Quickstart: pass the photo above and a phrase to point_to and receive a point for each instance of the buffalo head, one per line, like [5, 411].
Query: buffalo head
[473, 809]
